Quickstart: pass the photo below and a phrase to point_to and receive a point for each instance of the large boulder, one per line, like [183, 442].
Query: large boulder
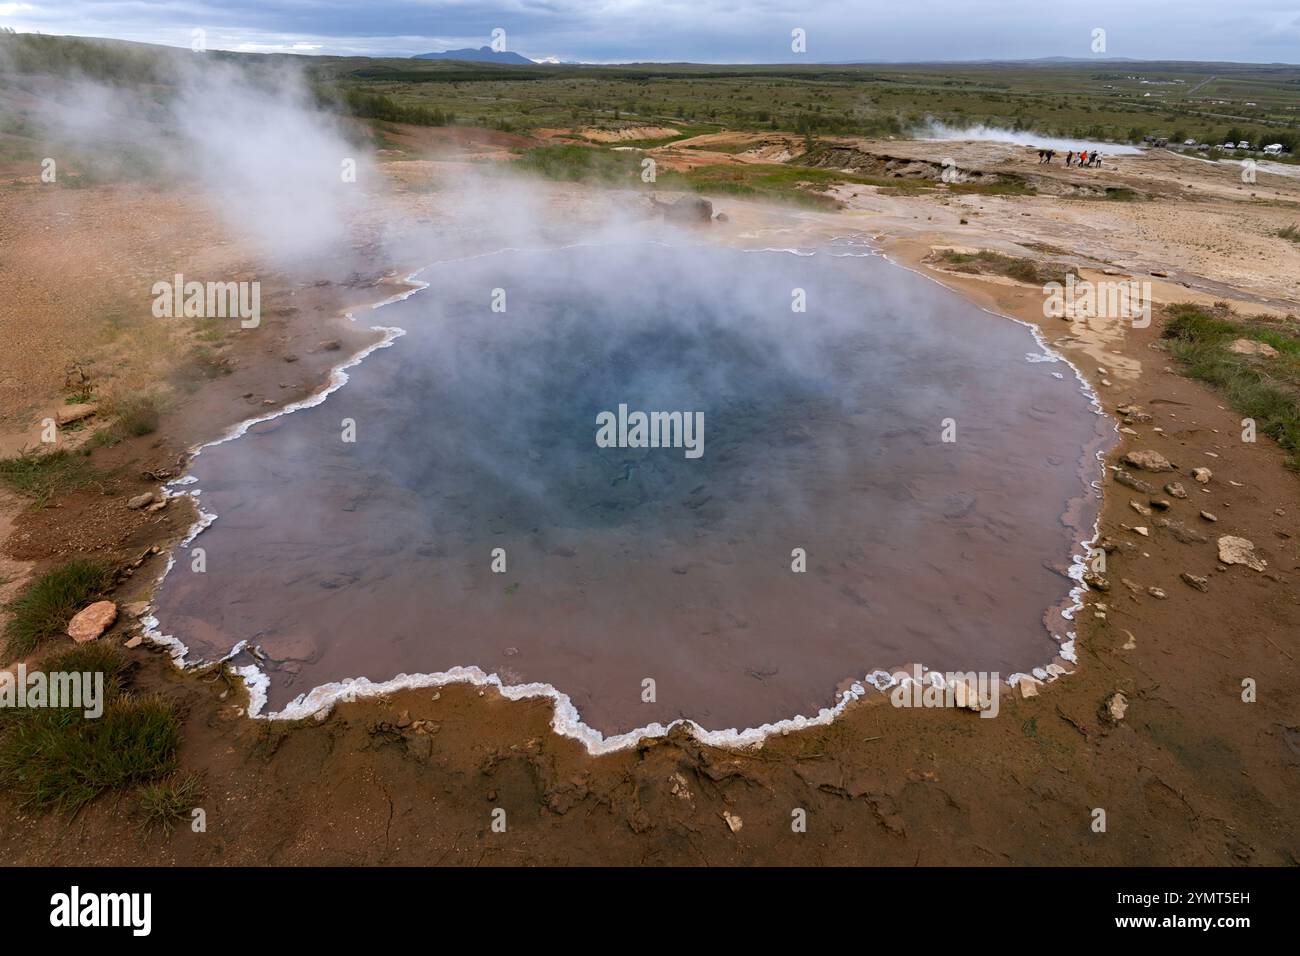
[90, 622]
[1147, 460]
[1234, 550]
[684, 210]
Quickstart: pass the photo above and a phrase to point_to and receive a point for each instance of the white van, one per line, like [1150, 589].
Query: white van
[1273, 149]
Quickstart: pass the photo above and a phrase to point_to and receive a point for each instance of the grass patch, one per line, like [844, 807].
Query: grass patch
[1022, 270]
[786, 182]
[767, 181]
[1289, 232]
[569, 163]
[59, 759]
[132, 418]
[41, 475]
[45, 606]
[165, 803]
[1266, 389]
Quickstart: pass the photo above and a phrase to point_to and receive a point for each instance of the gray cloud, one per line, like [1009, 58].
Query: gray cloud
[698, 30]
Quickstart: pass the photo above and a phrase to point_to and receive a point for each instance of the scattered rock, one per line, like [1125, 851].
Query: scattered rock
[1191, 580]
[330, 345]
[1203, 475]
[1096, 581]
[1027, 686]
[1146, 533]
[1140, 508]
[1132, 481]
[140, 501]
[1117, 706]
[1147, 460]
[1157, 593]
[90, 622]
[1180, 531]
[1208, 517]
[1160, 504]
[1234, 550]
[1251, 347]
[733, 821]
[1176, 489]
[135, 609]
[686, 209]
[134, 642]
[75, 413]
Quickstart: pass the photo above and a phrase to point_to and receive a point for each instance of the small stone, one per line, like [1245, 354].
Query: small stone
[1203, 475]
[1160, 504]
[1181, 532]
[1132, 481]
[1191, 580]
[1208, 517]
[1027, 686]
[90, 622]
[1147, 460]
[1175, 489]
[1096, 581]
[134, 642]
[1143, 531]
[733, 821]
[1117, 706]
[1141, 509]
[1234, 550]
[140, 501]
[1157, 593]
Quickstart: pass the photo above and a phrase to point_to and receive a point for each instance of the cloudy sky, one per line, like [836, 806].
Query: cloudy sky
[708, 31]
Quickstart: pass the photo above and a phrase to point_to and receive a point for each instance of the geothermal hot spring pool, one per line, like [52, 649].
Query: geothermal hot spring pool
[823, 431]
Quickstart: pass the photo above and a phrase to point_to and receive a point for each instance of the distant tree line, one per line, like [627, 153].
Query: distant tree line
[381, 107]
[107, 61]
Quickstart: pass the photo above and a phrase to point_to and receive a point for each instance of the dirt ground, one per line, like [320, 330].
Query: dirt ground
[1190, 775]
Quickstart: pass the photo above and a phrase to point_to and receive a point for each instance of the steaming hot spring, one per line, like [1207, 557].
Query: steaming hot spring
[889, 476]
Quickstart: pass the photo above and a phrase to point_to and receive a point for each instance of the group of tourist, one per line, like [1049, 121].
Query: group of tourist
[1081, 158]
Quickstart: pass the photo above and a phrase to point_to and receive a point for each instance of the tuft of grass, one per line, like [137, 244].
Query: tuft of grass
[1264, 389]
[133, 418]
[1022, 270]
[164, 803]
[45, 606]
[1290, 232]
[43, 474]
[59, 759]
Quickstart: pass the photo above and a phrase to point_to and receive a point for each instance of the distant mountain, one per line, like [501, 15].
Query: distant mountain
[484, 54]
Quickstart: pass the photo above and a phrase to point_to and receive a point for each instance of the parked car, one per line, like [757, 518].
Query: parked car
[1189, 142]
[1243, 145]
[1273, 149]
